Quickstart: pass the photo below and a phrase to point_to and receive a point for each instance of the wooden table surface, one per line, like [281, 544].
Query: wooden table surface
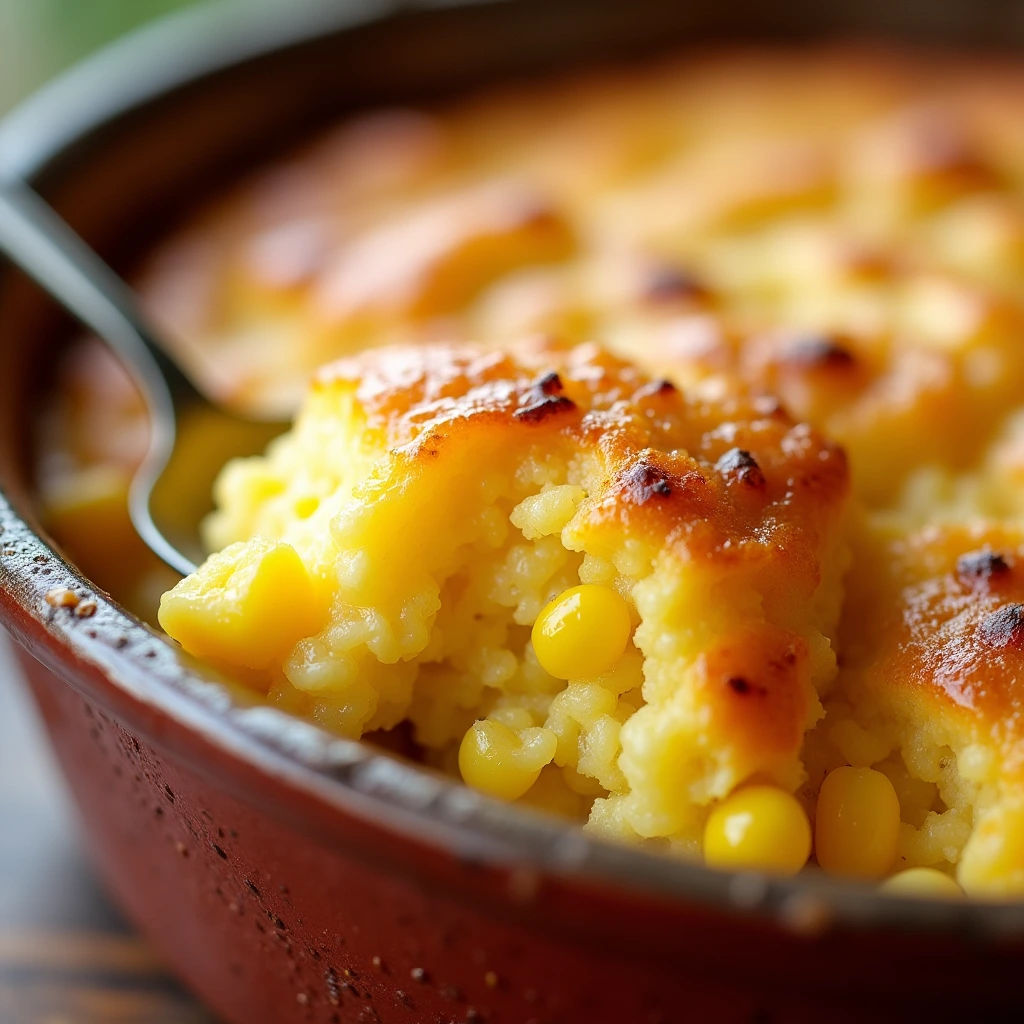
[66, 956]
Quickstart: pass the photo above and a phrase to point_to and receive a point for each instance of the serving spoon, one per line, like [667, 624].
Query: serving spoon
[35, 238]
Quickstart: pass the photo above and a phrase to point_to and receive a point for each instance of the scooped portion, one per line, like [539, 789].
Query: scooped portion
[583, 587]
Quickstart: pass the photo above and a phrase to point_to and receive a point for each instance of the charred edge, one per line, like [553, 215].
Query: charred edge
[656, 387]
[739, 463]
[547, 386]
[542, 408]
[550, 384]
[1004, 626]
[819, 353]
[742, 687]
[645, 481]
[983, 565]
[665, 283]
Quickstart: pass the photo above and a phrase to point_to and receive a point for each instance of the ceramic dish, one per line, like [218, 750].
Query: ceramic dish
[289, 875]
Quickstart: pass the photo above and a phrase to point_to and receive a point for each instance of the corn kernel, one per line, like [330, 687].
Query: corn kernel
[857, 823]
[245, 606]
[582, 633]
[497, 761]
[758, 827]
[926, 883]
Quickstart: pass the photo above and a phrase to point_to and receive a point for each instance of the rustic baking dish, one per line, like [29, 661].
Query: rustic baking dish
[289, 875]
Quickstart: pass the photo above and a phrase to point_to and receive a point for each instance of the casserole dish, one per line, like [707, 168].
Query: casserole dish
[289, 875]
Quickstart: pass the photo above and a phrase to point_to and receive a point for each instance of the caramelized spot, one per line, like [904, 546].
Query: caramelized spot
[762, 698]
[543, 407]
[666, 283]
[543, 398]
[741, 465]
[981, 565]
[550, 384]
[643, 481]
[743, 686]
[655, 387]
[1003, 627]
[818, 352]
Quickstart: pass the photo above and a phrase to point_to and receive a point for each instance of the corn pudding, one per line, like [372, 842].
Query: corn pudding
[663, 461]
[548, 563]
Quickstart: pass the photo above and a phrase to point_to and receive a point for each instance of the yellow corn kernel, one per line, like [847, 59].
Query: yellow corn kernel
[246, 606]
[759, 827]
[497, 761]
[551, 793]
[857, 823]
[926, 883]
[582, 633]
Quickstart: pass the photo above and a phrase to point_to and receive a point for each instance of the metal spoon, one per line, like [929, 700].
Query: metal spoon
[36, 239]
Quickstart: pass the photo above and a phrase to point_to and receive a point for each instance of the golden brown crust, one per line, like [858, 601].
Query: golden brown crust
[837, 227]
[730, 480]
[942, 625]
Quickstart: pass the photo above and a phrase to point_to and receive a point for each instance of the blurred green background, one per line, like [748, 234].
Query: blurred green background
[40, 37]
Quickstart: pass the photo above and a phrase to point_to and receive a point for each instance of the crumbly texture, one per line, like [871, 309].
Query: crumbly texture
[842, 229]
[440, 498]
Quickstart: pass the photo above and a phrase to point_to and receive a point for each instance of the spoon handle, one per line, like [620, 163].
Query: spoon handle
[36, 239]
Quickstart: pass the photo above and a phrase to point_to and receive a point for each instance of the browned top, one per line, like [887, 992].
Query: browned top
[944, 624]
[723, 478]
[839, 227]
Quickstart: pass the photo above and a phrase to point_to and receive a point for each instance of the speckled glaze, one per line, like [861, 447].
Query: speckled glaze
[291, 876]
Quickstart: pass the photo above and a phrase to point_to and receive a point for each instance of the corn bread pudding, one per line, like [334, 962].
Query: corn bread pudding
[663, 461]
[389, 557]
